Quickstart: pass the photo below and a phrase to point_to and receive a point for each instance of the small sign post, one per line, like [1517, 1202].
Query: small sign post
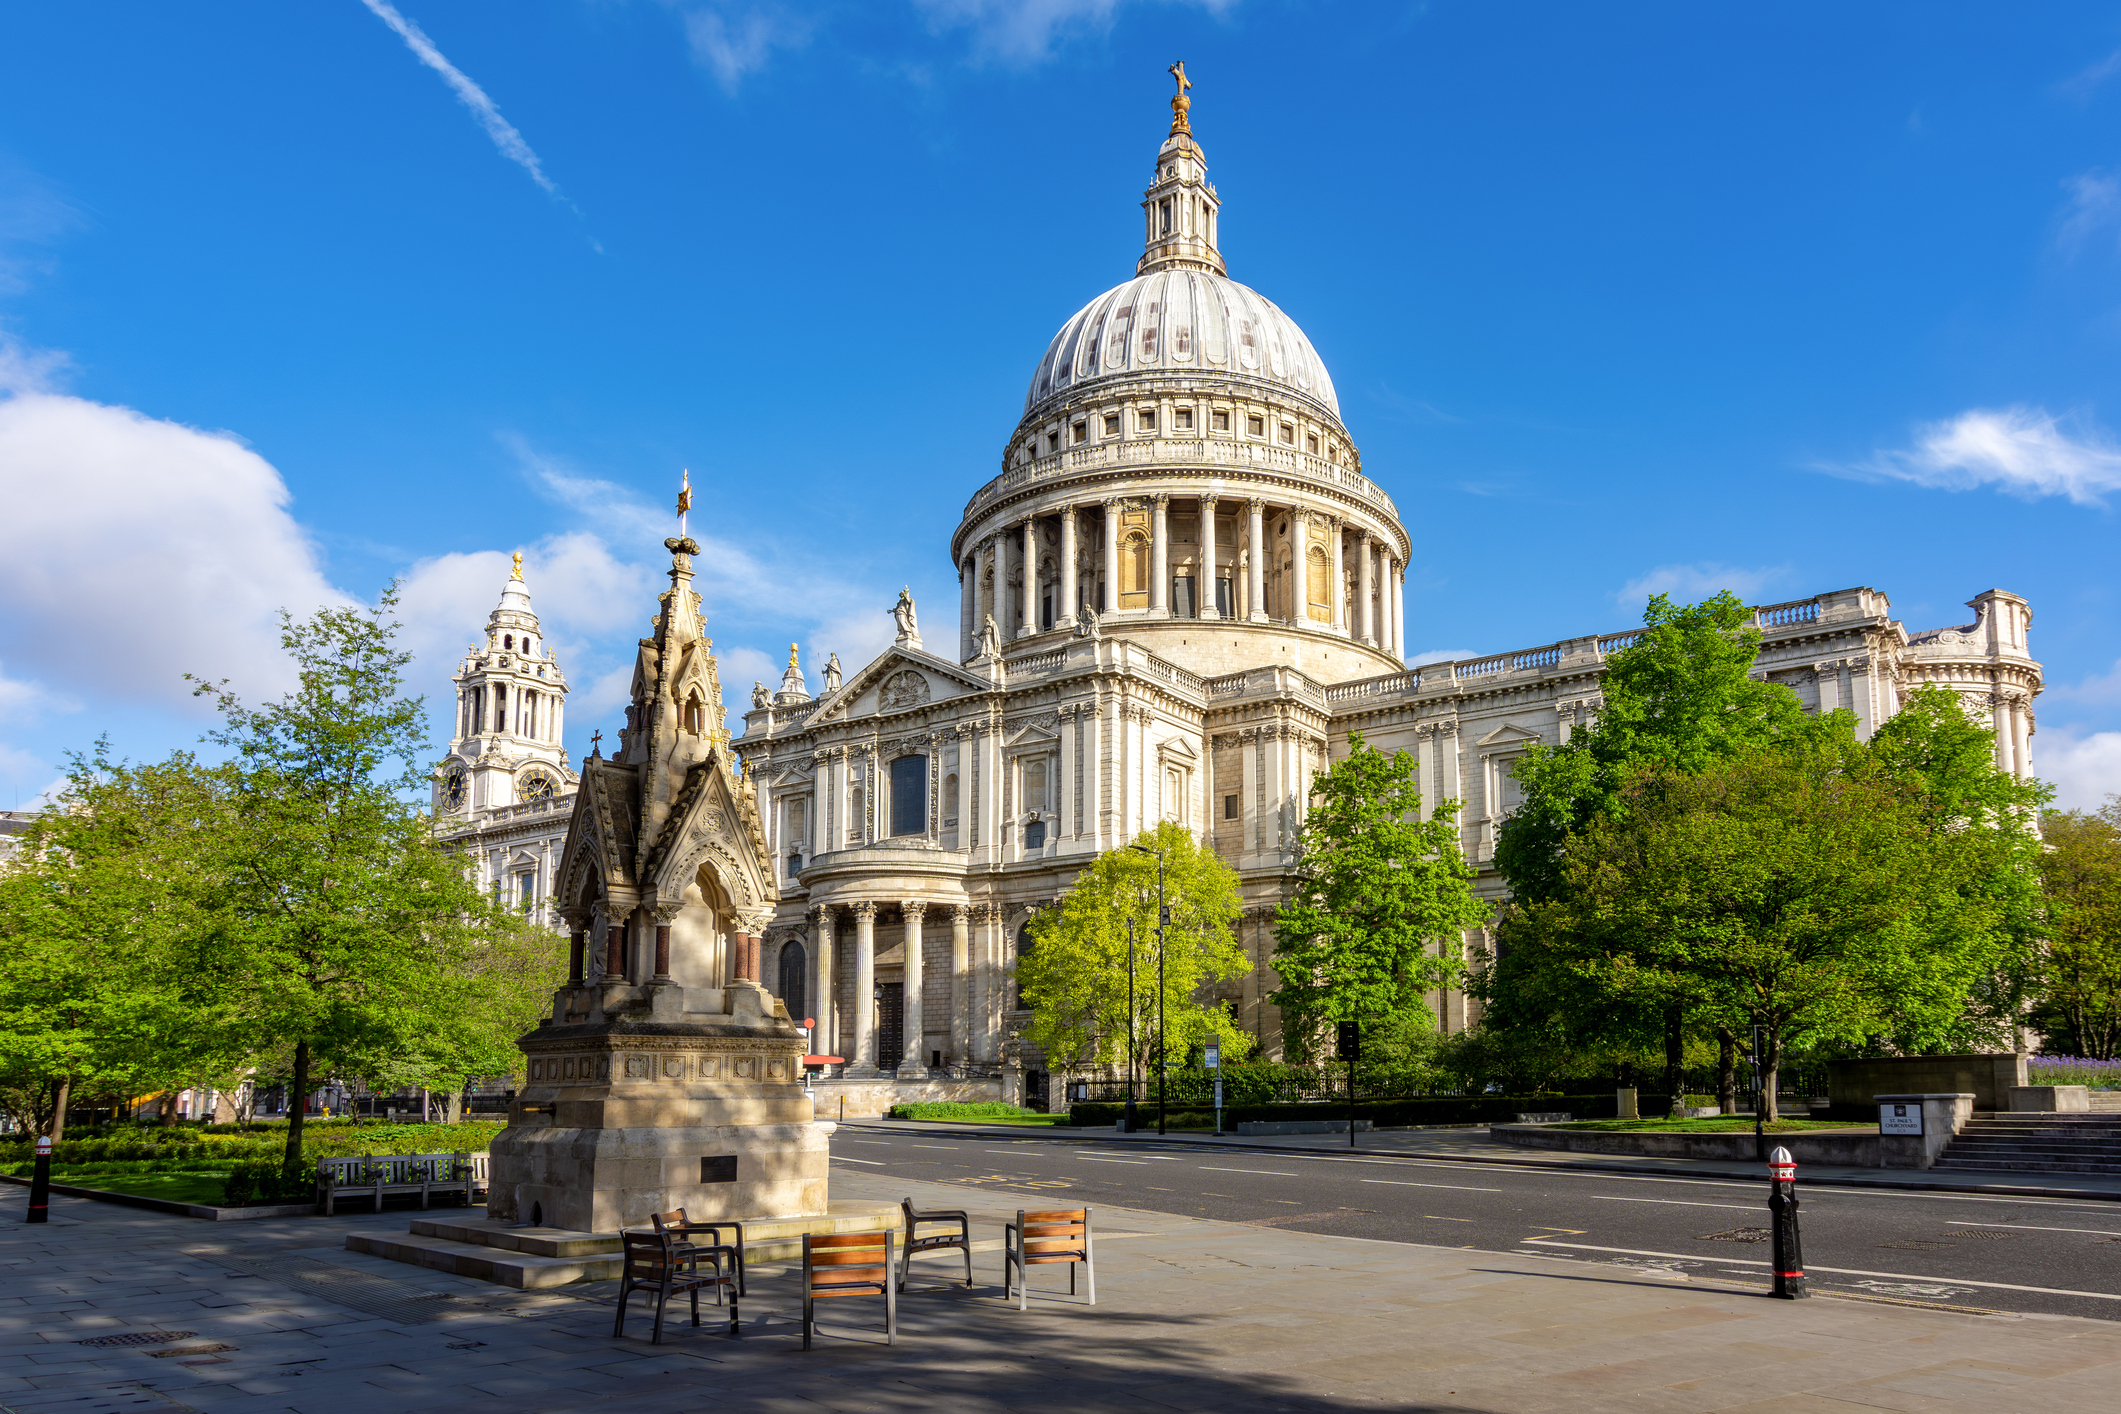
[40, 1183]
[1212, 1058]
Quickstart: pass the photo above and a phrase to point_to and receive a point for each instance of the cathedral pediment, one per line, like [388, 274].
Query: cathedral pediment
[1031, 734]
[902, 678]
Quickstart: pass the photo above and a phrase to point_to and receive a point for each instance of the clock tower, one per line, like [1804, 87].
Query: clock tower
[504, 790]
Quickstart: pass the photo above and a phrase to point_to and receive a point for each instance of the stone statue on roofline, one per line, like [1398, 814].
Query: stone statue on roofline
[909, 633]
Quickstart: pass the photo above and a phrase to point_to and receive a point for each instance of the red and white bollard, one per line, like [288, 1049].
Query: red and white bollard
[1782, 1203]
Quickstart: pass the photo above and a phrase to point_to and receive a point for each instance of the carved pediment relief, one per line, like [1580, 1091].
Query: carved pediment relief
[1509, 734]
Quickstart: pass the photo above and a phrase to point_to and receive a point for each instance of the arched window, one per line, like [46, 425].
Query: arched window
[1320, 585]
[695, 719]
[795, 982]
[1024, 944]
[508, 640]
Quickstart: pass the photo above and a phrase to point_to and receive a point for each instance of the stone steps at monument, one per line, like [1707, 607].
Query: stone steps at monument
[2057, 1143]
[537, 1257]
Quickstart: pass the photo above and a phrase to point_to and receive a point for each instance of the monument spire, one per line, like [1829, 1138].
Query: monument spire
[1181, 205]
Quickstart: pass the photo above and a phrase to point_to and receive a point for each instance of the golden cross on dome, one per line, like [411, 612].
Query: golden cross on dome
[1180, 103]
[1178, 71]
[791, 655]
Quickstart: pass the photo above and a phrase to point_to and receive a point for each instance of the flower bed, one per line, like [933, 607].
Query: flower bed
[2074, 1070]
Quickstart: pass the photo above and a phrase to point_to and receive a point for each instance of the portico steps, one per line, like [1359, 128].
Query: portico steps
[536, 1257]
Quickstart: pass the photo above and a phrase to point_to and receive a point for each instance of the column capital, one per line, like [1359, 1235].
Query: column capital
[1255, 505]
[865, 910]
[961, 913]
[1163, 499]
[667, 913]
[914, 908]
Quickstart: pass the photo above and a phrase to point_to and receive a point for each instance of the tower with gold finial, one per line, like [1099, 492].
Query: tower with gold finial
[501, 789]
[1180, 205]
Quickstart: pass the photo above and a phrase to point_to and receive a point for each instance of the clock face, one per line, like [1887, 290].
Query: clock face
[453, 790]
[538, 785]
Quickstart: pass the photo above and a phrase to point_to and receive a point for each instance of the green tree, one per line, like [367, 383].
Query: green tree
[1680, 698]
[1075, 977]
[97, 913]
[346, 931]
[1379, 903]
[1805, 890]
[2080, 1004]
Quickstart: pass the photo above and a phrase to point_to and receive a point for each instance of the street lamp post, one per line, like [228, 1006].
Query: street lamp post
[1163, 918]
[1130, 1124]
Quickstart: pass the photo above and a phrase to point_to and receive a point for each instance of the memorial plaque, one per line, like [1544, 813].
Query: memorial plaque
[718, 1168]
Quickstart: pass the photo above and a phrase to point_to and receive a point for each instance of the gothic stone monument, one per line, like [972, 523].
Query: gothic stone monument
[667, 1076]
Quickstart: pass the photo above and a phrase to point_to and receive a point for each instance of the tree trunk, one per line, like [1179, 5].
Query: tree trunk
[453, 1107]
[1675, 1057]
[62, 1093]
[297, 1102]
[1726, 1070]
[1770, 1075]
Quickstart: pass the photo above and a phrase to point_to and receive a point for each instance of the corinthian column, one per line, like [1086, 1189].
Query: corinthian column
[1256, 574]
[1028, 559]
[1111, 558]
[913, 1065]
[1064, 611]
[960, 1002]
[824, 1041]
[863, 1060]
[1209, 570]
[1339, 587]
[1366, 592]
[1160, 559]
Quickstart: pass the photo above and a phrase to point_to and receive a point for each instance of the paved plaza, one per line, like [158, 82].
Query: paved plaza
[1191, 1315]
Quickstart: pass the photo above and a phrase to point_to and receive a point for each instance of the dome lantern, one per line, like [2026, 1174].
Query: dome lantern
[1180, 206]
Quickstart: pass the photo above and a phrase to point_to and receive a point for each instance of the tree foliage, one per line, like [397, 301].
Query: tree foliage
[2080, 1009]
[1379, 902]
[1681, 698]
[1075, 976]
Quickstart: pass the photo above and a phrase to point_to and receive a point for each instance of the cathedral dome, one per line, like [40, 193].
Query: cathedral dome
[1182, 321]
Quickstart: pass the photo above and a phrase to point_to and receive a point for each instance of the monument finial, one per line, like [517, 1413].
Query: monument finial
[1180, 104]
[684, 501]
[517, 572]
[791, 655]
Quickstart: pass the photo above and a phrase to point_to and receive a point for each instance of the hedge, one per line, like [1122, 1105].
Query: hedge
[1419, 1110]
[959, 1109]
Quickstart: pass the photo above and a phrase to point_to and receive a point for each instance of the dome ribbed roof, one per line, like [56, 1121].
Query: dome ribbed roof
[1182, 321]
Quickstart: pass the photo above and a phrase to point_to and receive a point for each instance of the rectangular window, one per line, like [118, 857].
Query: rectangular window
[1311, 444]
[1182, 419]
[1035, 784]
[1257, 426]
[1222, 598]
[1111, 424]
[1183, 605]
[1288, 434]
[909, 795]
[1082, 433]
[1146, 419]
[1229, 807]
[1219, 421]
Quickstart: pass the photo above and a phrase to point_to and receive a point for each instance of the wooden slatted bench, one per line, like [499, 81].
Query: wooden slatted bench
[1059, 1236]
[849, 1264]
[662, 1263]
[372, 1176]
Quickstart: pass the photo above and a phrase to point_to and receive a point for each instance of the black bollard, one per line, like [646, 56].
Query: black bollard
[1782, 1203]
[40, 1183]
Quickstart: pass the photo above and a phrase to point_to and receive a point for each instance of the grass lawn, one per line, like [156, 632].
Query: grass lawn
[1003, 1119]
[1720, 1124]
[202, 1187]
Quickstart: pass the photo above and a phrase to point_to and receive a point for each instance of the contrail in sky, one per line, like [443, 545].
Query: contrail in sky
[503, 132]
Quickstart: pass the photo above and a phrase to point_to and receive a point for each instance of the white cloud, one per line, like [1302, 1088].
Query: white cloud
[1025, 31]
[2084, 768]
[135, 550]
[504, 135]
[1693, 583]
[2105, 689]
[2088, 80]
[32, 213]
[2094, 205]
[731, 43]
[2024, 451]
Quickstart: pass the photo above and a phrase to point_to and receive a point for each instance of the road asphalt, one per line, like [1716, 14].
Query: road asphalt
[2051, 1256]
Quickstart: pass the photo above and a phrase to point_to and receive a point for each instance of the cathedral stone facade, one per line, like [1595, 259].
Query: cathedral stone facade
[1179, 598]
[503, 791]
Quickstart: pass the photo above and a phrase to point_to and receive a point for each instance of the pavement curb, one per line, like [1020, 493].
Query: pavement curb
[1655, 1171]
[202, 1211]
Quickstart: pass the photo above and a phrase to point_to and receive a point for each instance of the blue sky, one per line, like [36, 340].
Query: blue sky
[296, 299]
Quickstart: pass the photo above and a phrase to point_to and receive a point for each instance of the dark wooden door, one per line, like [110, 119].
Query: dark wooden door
[891, 1027]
